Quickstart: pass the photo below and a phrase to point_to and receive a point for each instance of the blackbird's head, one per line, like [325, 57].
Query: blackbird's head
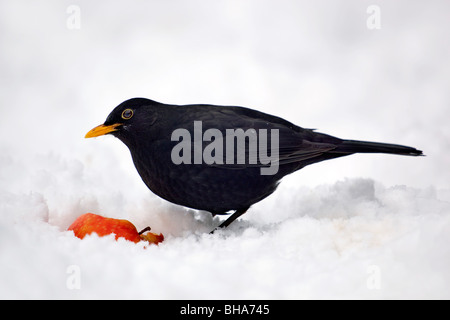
[127, 120]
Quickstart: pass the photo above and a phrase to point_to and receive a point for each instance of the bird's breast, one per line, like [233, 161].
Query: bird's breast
[200, 186]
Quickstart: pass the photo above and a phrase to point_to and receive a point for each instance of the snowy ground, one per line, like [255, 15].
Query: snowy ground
[366, 226]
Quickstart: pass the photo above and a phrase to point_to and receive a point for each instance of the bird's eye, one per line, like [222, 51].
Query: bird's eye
[127, 114]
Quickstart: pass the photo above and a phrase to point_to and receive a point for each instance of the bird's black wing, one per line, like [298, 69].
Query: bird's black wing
[295, 144]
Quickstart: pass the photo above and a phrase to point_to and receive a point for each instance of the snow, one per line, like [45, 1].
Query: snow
[364, 227]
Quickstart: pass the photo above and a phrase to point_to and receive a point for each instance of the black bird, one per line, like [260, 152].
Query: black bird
[221, 159]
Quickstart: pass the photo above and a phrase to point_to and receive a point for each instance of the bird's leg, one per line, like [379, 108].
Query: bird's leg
[233, 217]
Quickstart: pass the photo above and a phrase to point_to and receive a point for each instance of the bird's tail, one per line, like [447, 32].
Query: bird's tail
[353, 146]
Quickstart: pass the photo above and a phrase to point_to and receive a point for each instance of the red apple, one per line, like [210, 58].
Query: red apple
[89, 223]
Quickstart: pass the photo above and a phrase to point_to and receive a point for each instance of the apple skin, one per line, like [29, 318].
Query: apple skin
[102, 226]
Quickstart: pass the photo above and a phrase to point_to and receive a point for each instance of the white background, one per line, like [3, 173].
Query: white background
[315, 63]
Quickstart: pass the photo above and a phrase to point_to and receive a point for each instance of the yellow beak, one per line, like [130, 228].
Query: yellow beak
[102, 130]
